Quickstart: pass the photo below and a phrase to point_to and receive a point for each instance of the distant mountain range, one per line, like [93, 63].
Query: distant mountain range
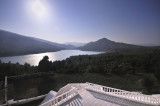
[65, 46]
[110, 46]
[14, 44]
[75, 44]
[147, 44]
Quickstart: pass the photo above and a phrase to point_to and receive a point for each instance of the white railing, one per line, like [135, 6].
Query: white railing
[68, 87]
[138, 97]
[61, 98]
[70, 90]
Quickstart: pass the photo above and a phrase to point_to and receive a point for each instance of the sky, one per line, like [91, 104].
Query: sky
[128, 21]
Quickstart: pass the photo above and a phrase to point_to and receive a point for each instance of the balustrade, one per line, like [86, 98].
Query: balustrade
[61, 98]
[132, 96]
[125, 94]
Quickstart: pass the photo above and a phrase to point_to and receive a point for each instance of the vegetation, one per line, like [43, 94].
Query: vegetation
[148, 82]
[111, 63]
[10, 69]
[143, 67]
[44, 64]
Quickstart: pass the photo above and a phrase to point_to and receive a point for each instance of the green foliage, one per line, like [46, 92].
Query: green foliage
[10, 69]
[120, 64]
[148, 82]
[157, 72]
[115, 63]
[107, 63]
[44, 65]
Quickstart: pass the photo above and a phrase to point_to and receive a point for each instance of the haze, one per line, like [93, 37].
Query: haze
[129, 21]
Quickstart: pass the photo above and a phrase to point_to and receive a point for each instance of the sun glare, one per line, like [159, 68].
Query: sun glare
[39, 9]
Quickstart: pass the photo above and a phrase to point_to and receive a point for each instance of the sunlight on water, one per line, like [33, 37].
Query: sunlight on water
[34, 59]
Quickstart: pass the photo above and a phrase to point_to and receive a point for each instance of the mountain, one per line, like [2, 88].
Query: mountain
[106, 45]
[15, 44]
[76, 44]
[148, 44]
[66, 46]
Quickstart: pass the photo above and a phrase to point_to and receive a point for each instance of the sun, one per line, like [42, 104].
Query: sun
[39, 9]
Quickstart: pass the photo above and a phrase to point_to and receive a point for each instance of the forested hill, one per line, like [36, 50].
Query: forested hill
[15, 44]
[110, 46]
[141, 68]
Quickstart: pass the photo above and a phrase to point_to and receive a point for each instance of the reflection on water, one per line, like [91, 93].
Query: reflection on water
[34, 59]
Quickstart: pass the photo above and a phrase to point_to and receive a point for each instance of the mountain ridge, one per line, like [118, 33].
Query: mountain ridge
[106, 45]
[12, 44]
[76, 44]
[15, 44]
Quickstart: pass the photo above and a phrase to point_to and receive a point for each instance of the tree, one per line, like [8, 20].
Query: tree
[148, 82]
[44, 65]
[157, 72]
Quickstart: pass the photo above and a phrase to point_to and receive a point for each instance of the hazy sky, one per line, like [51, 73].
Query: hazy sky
[130, 21]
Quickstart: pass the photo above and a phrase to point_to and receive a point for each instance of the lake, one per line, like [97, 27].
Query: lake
[33, 59]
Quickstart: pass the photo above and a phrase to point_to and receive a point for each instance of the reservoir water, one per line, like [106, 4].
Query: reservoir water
[33, 59]
[30, 87]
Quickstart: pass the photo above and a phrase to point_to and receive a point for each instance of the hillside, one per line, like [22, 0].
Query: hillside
[76, 44]
[125, 70]
[65, 46]
[110, 46]
[15, 44]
